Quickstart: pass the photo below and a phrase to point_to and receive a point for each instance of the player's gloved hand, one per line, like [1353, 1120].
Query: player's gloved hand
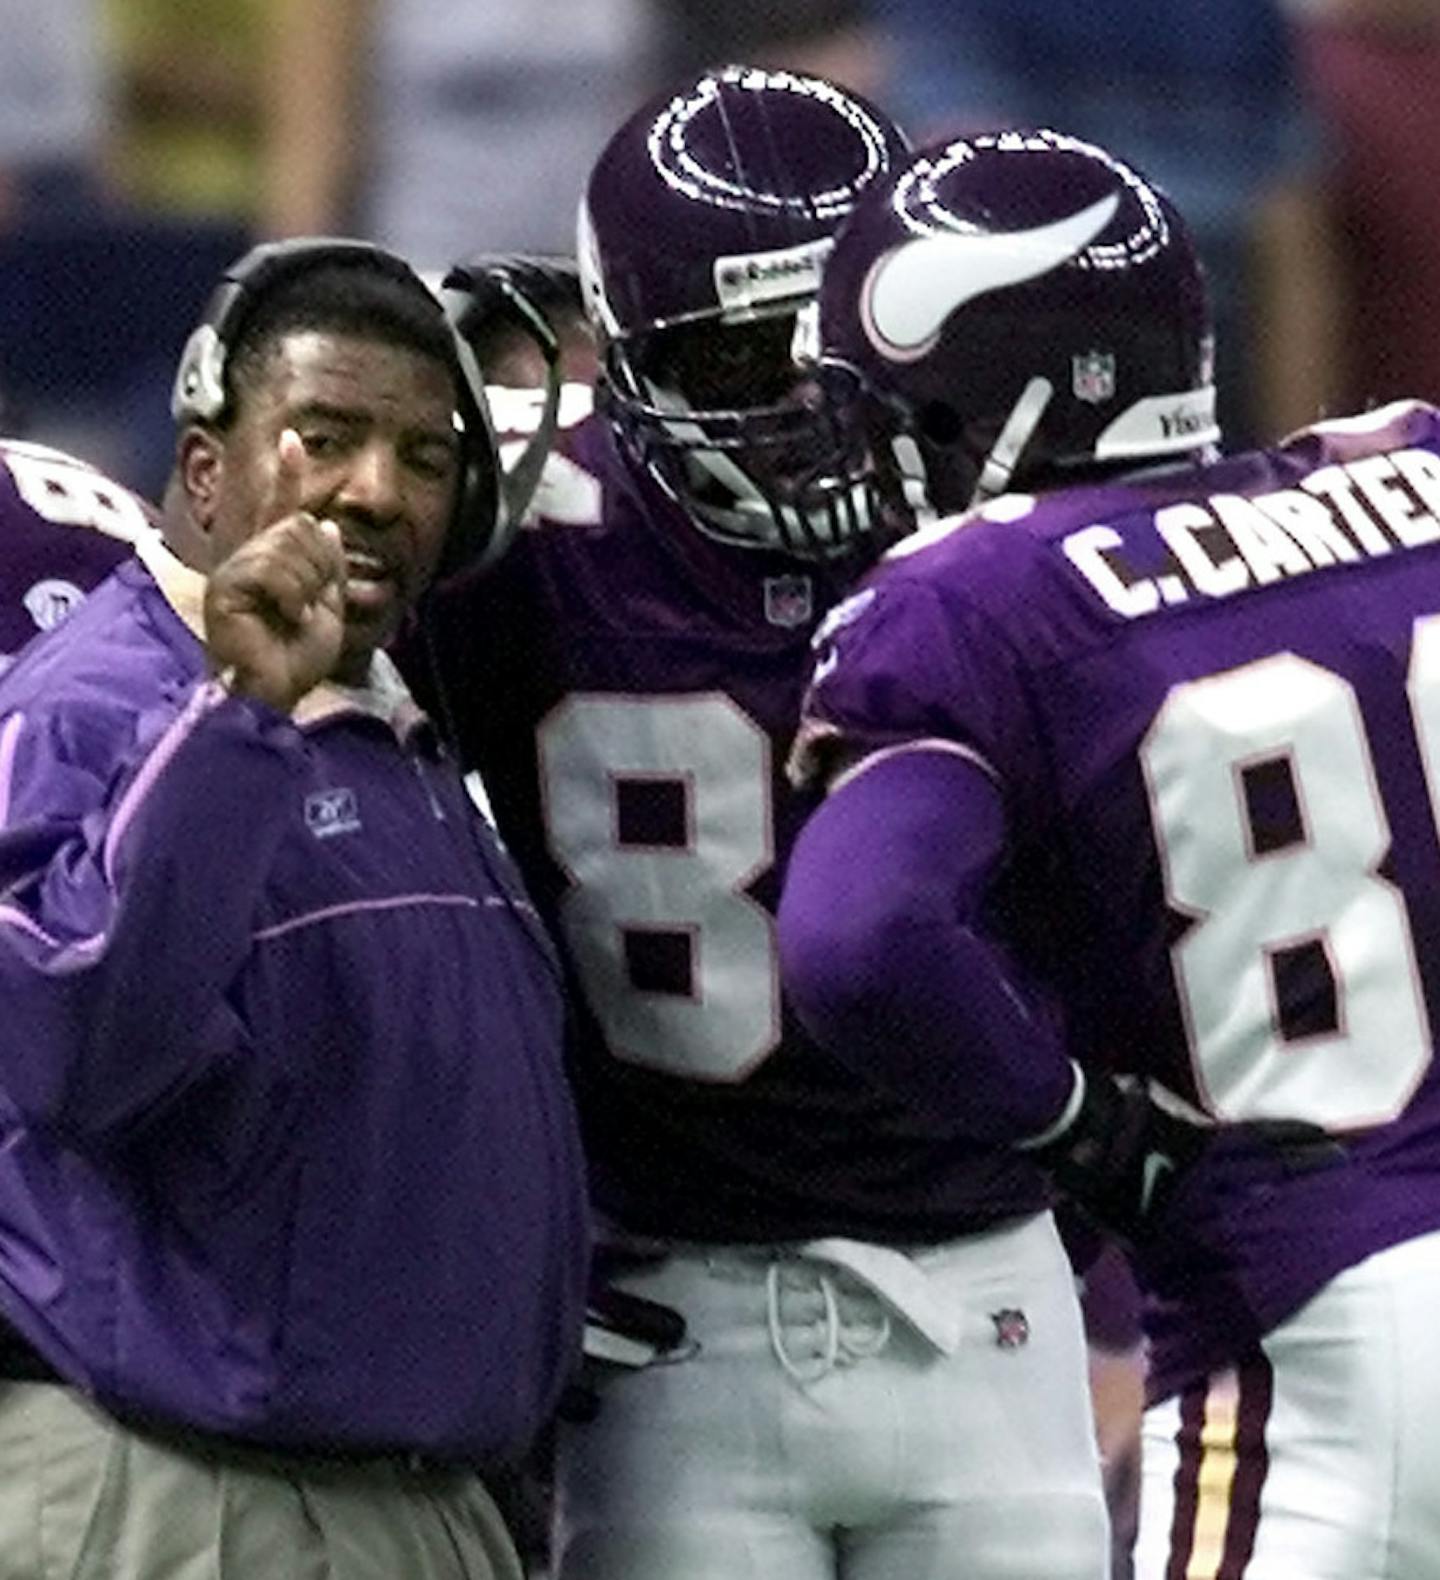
[1122, 1154]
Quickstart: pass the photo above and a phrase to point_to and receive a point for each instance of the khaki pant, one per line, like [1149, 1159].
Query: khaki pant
[82, 1498]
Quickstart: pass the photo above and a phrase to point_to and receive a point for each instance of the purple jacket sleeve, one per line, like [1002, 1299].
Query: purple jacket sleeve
[884, 958]
[127, 901]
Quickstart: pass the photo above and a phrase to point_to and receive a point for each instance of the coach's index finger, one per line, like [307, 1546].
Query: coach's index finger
[287, 492]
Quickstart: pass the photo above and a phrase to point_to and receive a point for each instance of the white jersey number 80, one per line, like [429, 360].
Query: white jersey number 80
[1321, 890]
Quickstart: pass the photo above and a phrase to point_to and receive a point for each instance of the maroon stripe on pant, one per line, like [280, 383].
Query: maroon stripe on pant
[1187, 1480]
[1252, 1461]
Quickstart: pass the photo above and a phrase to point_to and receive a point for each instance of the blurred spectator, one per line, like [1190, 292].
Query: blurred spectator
[149, 104]
[187, 89]
[1374, 67]
[830, 38]
[443, 126]
[1202, 98]
[94, 303]
[52, 109]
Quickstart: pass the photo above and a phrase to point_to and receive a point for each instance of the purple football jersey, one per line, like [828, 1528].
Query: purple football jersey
[1212, 700]
[64, 526]
[629, 690]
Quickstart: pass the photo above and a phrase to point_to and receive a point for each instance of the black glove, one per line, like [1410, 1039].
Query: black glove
[622, 1331]
[1122, 1155]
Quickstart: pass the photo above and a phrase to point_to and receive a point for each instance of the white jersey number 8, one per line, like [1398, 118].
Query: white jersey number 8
[1318, 890]
[719, 1016]
[70, 493]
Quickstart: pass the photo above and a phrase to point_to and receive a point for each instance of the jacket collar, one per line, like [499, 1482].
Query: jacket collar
[384, 696]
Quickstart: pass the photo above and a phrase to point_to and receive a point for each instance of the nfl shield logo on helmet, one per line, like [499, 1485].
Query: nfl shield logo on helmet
[1092, 376]
[789, 600]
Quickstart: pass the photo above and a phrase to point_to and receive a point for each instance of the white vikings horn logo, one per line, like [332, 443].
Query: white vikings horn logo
[911, 291]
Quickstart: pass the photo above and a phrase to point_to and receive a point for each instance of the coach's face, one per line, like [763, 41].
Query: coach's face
[381, 460]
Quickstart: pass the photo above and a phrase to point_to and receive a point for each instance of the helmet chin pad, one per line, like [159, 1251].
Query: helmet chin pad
[727, 504]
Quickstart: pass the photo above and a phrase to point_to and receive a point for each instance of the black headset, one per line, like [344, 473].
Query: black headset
[478, 532]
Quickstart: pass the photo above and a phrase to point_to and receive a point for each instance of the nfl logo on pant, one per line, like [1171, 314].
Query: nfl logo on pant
[1012, 1328]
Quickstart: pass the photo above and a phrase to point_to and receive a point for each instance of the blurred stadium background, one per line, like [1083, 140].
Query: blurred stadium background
[143, 143]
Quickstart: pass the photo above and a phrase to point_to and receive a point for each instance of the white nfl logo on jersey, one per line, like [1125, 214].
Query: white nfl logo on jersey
[1092, 376]
[789, 600]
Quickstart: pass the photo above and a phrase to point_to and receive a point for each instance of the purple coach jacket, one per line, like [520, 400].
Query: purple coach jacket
[286, 1151]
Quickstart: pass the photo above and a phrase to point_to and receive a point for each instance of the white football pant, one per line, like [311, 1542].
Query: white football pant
[815, 1433]
[1318, 1457]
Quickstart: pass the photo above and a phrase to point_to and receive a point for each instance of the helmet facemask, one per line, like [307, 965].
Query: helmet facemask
[720, 415]
[924, 455]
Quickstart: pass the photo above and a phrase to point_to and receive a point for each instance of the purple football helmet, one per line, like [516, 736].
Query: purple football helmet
[1024, 309]
[703, 229]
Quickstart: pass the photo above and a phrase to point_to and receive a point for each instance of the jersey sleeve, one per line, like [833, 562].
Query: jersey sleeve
[888, 960]
[568, 493]
[903, 663]
[63, 528]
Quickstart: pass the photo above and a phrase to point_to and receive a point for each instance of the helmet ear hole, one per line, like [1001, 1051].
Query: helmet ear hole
[938, 423]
